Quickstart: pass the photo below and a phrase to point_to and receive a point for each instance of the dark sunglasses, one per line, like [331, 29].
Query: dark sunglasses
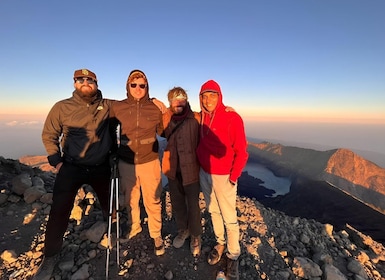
[82, 79]
[140, 85]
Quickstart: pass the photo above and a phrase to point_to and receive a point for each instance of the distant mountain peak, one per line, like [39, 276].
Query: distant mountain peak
[342, 168]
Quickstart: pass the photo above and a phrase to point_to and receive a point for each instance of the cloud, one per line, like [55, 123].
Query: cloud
[30, 123]
[23, 123]
[12, 123]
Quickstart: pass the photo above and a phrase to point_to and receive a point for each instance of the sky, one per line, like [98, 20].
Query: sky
[279, 63]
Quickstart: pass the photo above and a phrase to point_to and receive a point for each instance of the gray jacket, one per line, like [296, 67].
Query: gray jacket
[78, 132]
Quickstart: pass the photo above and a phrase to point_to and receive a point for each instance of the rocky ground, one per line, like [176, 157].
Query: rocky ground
[274, 246]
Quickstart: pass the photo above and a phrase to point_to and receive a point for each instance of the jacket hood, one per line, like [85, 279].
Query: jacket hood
[137, 74]
[212, 86]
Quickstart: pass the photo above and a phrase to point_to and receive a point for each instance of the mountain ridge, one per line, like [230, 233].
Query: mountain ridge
[373, 156]
[342, 168]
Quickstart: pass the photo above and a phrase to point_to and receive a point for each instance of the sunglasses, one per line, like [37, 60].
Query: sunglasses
[83, 79]
[142, 86]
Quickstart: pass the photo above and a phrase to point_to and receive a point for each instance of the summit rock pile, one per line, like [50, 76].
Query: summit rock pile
[274, 246]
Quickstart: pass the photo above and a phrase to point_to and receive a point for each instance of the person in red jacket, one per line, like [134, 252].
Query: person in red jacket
[222, 154]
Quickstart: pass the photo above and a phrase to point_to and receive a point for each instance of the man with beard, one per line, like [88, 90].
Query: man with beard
[79, 138]
[180, 165]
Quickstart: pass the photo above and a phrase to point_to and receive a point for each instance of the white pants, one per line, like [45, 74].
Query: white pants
[220, 197]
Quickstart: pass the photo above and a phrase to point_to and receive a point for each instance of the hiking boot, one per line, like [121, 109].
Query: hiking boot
[215, 254]
[232, 269]
[195, 245]
[135, 229]
[180, 238]
[46, 268]
[159, 246]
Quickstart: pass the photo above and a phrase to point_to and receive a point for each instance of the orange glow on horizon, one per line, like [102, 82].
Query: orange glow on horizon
[247, 116]
[24, 116]
[315, 115]
[313, 119]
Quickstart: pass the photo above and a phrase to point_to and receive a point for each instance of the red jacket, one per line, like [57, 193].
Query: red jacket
[222, 147]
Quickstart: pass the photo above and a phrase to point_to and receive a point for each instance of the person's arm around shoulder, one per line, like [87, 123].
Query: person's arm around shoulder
[111, 105]
[160, 126]
[159, 104]
[198, 116]
[166, 118]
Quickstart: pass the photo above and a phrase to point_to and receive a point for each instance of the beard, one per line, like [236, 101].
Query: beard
[87, 93]
[178, 109]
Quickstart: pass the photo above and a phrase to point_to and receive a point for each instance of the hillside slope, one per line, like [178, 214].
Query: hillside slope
[341, 168]
[274, 246]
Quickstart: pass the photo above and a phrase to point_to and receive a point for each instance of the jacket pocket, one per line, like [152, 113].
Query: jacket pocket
[147, 141]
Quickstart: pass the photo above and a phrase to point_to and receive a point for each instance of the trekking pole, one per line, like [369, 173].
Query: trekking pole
[114, 196]
[117, 213]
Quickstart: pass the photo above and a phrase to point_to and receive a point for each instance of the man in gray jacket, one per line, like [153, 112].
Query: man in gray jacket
[79, 138]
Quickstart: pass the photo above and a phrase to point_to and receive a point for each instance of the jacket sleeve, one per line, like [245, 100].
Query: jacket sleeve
[238, 138]
[160, 126]
[113, 127]
[51, 134]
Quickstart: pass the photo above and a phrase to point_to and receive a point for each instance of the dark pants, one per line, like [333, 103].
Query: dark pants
[68, 180]
[185, 205]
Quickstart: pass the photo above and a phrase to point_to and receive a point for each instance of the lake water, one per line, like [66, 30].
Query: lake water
[280, 185]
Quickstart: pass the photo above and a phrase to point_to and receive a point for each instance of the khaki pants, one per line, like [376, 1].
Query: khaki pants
[145, 179]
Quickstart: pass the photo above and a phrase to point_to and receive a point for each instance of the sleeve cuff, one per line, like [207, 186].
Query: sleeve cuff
[54, 160]
[233, 182]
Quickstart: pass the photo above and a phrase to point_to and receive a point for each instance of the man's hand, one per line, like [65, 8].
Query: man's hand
[160, 105]
[58, 166]
[233, 183]
[229, 109]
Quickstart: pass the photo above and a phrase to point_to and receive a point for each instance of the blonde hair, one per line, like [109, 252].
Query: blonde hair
[176, 93]
[136, 75]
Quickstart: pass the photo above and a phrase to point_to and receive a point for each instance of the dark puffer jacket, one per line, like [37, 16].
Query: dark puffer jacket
[180, 155]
